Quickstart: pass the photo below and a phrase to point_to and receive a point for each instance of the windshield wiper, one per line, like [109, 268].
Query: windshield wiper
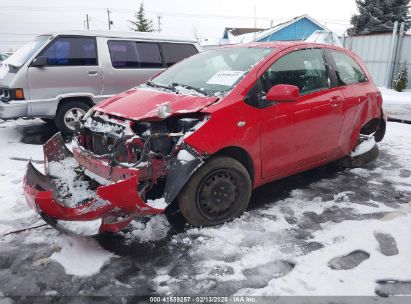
[201, 91]
[157, 85]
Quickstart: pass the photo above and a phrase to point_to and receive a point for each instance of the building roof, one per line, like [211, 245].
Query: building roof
[236, 31]
[263, 34]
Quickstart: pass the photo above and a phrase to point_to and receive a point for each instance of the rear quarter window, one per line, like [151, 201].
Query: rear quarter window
[347, 69]
[175, 52]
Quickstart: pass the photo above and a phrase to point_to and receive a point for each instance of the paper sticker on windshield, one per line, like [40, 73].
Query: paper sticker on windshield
[226, 78]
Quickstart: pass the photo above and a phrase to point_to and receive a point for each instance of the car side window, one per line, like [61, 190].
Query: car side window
[347, 70]
[132, 55]
[71, 51]
[305, 69]
[175, 52]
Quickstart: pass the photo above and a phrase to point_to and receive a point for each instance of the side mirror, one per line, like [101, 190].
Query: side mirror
[283, 93]
[39, 61]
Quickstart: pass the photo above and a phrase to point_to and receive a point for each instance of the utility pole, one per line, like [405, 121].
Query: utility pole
[255, 20]
[87, 22]
[159, 23]
[109, 20]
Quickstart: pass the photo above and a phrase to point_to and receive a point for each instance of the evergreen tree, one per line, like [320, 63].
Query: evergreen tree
[401, 79]
[378, 16]
[141, 23]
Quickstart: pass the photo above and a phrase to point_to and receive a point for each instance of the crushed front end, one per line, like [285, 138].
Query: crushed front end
[118, 170]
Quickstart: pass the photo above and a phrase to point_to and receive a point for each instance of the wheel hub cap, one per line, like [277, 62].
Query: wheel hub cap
[72, 117]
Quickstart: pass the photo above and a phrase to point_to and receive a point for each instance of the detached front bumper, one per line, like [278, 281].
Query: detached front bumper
[110, 209]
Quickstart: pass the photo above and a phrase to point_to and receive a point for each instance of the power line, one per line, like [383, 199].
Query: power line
[17, 34]
[14, 41]
[173, 14]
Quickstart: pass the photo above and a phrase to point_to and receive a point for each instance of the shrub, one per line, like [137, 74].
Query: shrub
[401, 79]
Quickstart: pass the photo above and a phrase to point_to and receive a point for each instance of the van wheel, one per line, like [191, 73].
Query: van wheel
[69, 114]
[219, 191]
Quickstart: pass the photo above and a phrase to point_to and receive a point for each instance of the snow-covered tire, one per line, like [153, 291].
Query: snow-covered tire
[361, 159]
[218, 192]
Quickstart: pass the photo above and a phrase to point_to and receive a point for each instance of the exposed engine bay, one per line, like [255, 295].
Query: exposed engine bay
[118, 170]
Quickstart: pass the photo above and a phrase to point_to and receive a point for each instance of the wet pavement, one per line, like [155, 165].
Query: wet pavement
[279, 229]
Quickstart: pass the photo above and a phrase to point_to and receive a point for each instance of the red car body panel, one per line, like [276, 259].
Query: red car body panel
[142, 104]
[320, 127]
[279, 140]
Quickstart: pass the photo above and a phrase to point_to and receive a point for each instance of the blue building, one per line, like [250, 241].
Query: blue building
[297, 29]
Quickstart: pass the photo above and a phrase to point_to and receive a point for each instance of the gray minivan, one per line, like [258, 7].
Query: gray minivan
[61, 75]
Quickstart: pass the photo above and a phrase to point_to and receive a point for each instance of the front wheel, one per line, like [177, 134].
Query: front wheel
[69, 114]
[218, 192]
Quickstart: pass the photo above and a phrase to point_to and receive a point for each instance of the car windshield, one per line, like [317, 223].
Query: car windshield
[23, 54]
[212, 73]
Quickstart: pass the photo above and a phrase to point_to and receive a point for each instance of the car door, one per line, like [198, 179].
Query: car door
[72, 68]
[298, 134]
[357, 91]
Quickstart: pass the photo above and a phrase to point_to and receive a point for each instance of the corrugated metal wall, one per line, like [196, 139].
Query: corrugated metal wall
[377, 52]
[405, 56]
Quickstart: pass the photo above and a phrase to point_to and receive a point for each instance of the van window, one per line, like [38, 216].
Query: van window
[175, 52]
[149, 55]
[123, 54]
[131, 54]
[71, 51]
[348, 71]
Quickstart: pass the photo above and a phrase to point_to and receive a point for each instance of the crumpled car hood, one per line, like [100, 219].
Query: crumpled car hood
[141, 104]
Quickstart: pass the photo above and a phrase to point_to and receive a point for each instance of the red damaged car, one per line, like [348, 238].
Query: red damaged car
[206, 132]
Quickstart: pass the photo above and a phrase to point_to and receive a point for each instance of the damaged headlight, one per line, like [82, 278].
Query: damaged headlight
[186, 124]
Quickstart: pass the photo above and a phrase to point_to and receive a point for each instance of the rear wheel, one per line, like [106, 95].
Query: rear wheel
[219, 191]
[354, 160]
[69, 114]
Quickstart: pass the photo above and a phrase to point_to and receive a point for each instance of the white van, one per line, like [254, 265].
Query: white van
[59, 76]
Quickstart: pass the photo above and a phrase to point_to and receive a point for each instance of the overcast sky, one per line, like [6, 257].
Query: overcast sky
[20, 20]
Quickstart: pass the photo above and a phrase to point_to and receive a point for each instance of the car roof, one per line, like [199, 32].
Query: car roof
[281, 45]
[116, 34]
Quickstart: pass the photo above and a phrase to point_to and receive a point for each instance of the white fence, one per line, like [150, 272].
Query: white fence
[383, 54]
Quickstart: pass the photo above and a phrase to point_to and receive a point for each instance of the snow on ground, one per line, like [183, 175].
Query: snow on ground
[15, 213]
[81, 256]
[13, 163]
[397, 104]
[324, 232]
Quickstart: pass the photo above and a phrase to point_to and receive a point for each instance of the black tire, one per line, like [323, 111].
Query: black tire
[218, 192]
[62, 124]
[359, 160]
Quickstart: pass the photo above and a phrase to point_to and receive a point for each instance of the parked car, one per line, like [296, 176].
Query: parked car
[206, 132]
[61, 75]
[3, 56]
